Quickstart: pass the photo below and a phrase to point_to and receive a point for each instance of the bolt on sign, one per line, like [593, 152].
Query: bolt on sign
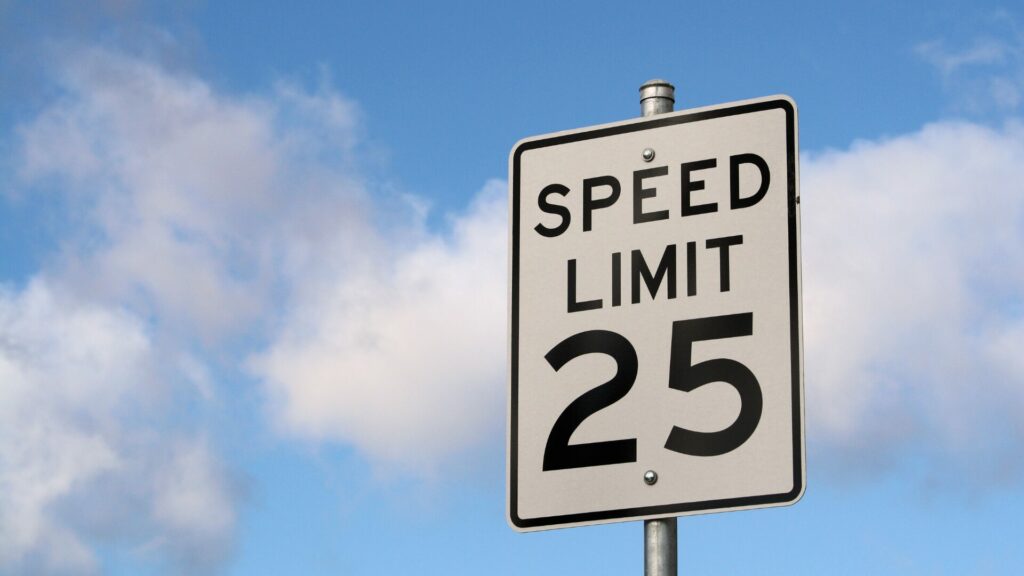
[655, 327]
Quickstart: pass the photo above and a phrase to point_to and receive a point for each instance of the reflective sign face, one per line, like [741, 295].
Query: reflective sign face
[655, 344]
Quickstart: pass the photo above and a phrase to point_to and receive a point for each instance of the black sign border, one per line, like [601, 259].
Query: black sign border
[625, 514]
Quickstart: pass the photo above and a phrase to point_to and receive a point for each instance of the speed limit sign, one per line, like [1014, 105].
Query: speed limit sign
[655, 342]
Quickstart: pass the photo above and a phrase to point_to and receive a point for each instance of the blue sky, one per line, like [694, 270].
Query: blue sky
[252, 279]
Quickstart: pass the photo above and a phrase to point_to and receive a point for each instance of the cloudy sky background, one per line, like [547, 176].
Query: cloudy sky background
[252, 280]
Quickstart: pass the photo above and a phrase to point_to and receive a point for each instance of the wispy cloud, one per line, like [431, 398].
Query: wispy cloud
[983, 51]
[986, 74]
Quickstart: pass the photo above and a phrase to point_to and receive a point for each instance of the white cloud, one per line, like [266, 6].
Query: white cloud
[194, 504]
[187, 193]
[201, 209]
[81, 447]
[187, 209]
[400, 353]
[914, 297]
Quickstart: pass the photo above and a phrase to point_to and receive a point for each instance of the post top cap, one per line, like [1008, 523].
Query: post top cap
[657, 82]
[657, 88]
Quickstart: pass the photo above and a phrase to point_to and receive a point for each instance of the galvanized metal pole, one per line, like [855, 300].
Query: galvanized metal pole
[660, 547]
[660, 544]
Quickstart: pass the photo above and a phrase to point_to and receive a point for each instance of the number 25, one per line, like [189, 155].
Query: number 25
[683, 375]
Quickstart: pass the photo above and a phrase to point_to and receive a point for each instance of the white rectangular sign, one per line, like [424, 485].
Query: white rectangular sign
[655, 340]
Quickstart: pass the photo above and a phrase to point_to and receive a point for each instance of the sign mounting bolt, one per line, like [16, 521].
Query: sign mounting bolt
[648, 154]
[650, 477]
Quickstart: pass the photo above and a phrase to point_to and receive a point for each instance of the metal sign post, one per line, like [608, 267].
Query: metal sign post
[660, 543]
